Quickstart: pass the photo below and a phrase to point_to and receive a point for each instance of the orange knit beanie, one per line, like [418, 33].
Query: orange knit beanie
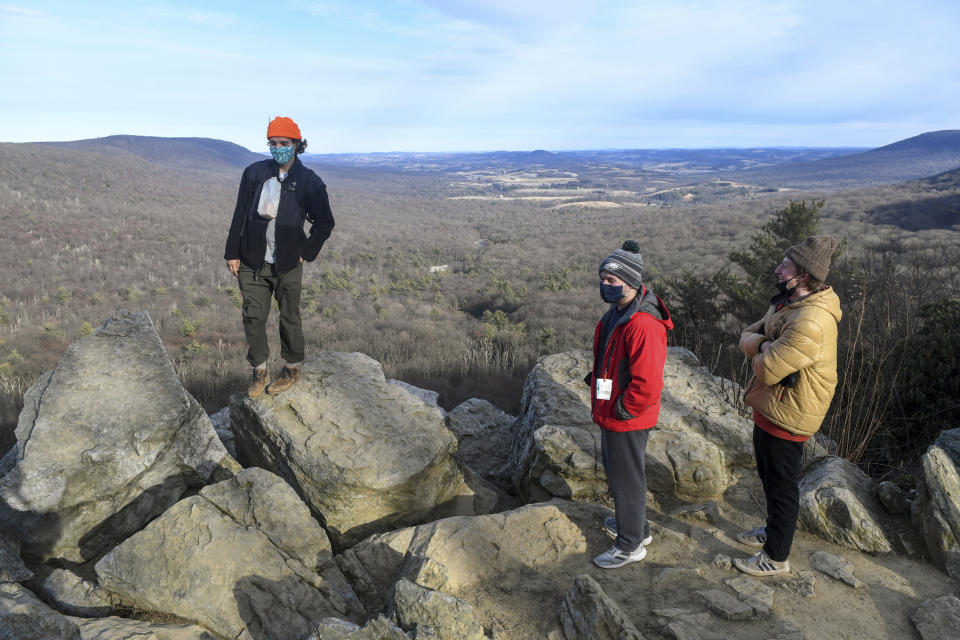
[284, 128]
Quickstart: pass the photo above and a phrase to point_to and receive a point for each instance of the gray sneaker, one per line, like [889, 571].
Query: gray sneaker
[610, 528]
[616, 557]
[760, 564]
[756, 537]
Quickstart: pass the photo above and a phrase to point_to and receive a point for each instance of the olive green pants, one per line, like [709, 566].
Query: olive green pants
[257, 289]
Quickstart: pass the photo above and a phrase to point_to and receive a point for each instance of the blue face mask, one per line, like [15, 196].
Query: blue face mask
[611, 293]
[282, 154]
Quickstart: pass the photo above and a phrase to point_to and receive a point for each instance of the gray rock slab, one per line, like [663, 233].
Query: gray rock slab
[114, 628]
[367, 456]
[244, 558]
[937, 509]
[836, 503]
[380, 628]
[938, 618]
[449, 617]
[836, 567]
[682, 630]
[105, 442]
[587, 613]
[23, 616]
[470, 549]
[484, 433]
[752, 592]
[803, 583]
[71, 595]
[726, 605]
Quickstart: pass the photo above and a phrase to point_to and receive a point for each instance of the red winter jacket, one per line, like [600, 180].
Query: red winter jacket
[633, 358]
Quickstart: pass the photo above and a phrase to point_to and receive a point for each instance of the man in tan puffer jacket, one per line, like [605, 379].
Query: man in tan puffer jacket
[793, 354]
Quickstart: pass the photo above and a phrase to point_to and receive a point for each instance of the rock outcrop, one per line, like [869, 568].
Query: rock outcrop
[366, 455]
[836, 502]
[936, 512]
[456, 552]
[556, 447]
[12, 568]
[244, 558]
[106, 441]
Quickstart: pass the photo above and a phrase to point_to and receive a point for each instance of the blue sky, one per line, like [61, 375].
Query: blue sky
[434, 75]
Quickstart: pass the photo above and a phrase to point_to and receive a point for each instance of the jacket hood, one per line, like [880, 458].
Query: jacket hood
[826, 300]
[651, 304]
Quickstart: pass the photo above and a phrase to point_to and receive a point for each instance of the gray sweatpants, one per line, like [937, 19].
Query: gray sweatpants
[624, 460]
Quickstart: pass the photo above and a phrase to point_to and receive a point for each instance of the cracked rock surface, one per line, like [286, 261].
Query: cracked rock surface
[187, 563]
[106, 441]
[366, 455]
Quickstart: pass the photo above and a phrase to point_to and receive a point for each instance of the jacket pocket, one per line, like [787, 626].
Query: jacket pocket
[620, 411]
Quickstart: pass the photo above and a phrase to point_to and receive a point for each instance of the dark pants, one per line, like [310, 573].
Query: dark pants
[624, 459]
[257, 289]
[778, 465]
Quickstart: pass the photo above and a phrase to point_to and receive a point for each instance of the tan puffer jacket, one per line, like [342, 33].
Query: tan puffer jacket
[803, 336]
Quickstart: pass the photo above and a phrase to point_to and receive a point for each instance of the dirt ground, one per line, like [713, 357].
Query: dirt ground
[524, 606]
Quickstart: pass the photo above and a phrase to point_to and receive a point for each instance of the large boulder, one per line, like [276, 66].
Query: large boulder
[936, 512]
[836, 503]
[453, 553]
[366, 455]
[244, 558]
[949, 441]
[483, 432]
[106, 442]
[114, 628]
[556, 447]
[23, 616]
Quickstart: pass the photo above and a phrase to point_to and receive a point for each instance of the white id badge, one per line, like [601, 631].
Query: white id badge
[604, 388]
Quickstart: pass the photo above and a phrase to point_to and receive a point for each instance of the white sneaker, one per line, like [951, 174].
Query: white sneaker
[760, 564]
[610, 528]
[616, 557]
[756, 537]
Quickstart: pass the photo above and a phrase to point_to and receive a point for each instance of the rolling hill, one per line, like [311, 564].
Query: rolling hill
[190, 153]
[917, 157]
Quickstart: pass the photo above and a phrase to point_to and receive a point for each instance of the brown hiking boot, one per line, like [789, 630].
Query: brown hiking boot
[258, 383]
[288, 376]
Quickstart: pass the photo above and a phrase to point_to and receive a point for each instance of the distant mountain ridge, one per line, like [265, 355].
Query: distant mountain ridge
[198, 153]
[921, 156]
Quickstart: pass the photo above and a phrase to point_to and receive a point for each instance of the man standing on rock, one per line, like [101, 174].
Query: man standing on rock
[629, 351]
[793, 353]
[267, 245]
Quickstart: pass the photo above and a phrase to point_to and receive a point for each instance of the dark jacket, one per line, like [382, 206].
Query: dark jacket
[302, 198]
[632, 356]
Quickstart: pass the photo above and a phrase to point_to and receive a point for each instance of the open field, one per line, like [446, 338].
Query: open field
[86, 233]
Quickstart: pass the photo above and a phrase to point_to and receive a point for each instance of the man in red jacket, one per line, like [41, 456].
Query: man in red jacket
[629, 351]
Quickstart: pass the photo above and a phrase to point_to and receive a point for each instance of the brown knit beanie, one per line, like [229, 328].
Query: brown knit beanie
[813, 256]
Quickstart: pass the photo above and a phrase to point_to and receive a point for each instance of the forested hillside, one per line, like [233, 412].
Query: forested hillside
[457, 293]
